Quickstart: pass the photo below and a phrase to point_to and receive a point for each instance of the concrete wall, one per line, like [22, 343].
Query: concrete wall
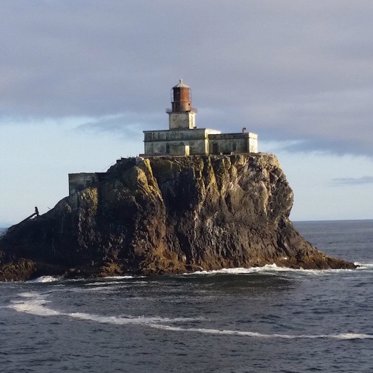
[176, 147]
[185, 120]
[227, 143]
[198, 141]
[82, 180]
[253, 143]
[176, 135]
[177, 142]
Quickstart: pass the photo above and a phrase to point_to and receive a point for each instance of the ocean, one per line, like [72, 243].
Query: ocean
[240, 320]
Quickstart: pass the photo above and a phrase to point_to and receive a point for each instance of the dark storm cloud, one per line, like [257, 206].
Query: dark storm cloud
[287, 69]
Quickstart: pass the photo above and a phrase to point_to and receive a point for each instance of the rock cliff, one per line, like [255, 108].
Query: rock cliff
[166, 215]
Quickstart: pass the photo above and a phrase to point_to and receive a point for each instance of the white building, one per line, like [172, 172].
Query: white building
[184, 138]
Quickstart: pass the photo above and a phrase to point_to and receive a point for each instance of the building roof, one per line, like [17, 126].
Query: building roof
[181, 84]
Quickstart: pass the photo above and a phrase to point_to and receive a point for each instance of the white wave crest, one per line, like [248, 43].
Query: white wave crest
[121, 277]
[101, 289]
[268, 268]
[105, 283]
[125, 320]
[352, 336]
[364, 266]
[44, 279]
[344, 336]
[36, 304]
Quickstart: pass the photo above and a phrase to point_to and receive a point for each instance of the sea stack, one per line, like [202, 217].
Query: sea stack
[195, 200]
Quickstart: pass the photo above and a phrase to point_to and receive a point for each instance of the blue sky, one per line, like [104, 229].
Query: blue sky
[80, 80]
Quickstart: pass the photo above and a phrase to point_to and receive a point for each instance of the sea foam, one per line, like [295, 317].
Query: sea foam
[242, 333]
[45, 279]
[364, 266]
[36, 304]
[267, 269]
[33, 303]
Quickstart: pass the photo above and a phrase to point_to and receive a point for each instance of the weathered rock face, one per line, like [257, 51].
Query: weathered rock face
[170, 215]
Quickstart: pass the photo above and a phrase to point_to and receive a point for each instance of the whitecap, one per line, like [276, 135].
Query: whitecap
[33, 303]
[121, 277]
[237, 270]
[267, 269]
[102, 283]
[113, 280]
[45, 279]
[349, 336]
[105, 283]
[364, 266]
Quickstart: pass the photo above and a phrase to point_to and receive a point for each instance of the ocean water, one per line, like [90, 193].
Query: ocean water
[258, 320]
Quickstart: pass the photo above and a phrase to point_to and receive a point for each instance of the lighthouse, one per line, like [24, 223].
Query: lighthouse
[182, 115]
[183, 138]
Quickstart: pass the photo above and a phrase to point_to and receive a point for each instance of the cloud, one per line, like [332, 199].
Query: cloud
[353, 180]
[295, 71]
[128, 123]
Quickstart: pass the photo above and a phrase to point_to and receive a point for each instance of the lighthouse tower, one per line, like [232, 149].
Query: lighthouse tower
[183, 138]
[182, 115]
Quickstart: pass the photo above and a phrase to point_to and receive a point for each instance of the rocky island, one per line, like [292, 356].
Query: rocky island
[166, 215]
[196, 200]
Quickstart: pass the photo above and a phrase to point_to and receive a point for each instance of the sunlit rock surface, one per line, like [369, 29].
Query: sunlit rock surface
[166, 215]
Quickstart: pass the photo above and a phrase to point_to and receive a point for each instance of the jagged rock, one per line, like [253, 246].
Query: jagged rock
[166, 215]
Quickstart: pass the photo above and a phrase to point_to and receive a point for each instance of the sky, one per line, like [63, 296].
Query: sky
[81, 79]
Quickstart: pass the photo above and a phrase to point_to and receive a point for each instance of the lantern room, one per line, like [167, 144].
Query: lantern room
[181, 98]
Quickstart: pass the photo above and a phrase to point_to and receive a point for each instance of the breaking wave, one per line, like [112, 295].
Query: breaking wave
[37, 304]
[45, 279]
[364, 266]
[273, 268]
